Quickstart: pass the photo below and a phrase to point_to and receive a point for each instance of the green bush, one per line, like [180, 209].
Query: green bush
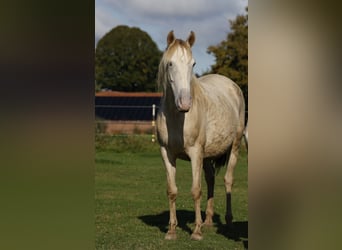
[125, 143]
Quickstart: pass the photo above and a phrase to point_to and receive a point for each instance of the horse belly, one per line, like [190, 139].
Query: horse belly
[220, 134]
[218, 145]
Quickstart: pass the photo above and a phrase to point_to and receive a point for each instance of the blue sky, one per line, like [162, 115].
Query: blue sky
[207, 18]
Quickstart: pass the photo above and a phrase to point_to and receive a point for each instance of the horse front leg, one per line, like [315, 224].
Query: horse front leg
[170, 166]
[196, 156]
[209, 171]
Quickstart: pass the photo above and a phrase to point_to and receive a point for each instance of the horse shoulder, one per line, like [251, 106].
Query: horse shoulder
[194, 128]
[195, 120]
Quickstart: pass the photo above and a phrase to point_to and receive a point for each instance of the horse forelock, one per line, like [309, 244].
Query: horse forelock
[172, 48]
[169, 52]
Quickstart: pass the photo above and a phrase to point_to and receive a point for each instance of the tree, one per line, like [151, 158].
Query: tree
[126, 59]
[232, 54]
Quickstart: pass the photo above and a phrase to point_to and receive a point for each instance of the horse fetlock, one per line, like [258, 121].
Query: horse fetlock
[173, 225]
[208, 219]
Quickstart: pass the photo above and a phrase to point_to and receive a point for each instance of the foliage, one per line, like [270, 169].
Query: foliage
[126, 59]
[232, 54]
[131, 207]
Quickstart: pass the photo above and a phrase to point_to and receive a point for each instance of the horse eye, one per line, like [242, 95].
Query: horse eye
[170, 64]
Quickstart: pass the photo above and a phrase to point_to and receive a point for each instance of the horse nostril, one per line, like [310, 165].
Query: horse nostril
[183, 104]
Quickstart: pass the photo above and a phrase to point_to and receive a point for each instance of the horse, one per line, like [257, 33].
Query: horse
[200, 120]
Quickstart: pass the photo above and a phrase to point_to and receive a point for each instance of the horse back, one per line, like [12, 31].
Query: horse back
[222, 91]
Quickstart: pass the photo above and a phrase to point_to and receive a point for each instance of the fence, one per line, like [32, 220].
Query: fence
[123, 114]
[119, 120]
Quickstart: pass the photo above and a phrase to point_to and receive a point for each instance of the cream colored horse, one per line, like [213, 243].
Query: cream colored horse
[201, 120]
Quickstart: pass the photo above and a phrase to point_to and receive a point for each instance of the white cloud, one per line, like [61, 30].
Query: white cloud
[197, 9]
[180, 8]
[104, 21]
[208, 18]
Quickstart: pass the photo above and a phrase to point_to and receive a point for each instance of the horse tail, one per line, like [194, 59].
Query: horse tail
[242, 117]
[221, 161]
[245, 136]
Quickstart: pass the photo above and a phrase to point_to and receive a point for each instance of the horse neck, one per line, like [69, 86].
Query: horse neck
[168, 101]
[194, 87]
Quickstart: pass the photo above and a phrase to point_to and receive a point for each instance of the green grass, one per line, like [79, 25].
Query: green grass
[131, 206]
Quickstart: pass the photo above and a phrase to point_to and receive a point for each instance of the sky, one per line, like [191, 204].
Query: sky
[207, 18]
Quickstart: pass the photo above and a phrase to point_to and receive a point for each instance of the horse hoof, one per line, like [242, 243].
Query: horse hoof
[196, 236]
[170, 236]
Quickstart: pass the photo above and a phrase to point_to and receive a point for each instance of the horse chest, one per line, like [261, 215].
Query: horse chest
[176, 133]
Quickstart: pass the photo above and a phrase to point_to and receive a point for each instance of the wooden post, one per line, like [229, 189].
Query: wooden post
[153, 123]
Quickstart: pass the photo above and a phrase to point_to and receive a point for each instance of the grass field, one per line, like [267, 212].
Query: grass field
[131, 207]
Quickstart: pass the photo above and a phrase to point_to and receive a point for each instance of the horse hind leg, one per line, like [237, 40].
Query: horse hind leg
[209, 170]
[229, 178]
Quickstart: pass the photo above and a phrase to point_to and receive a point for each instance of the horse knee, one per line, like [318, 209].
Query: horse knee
[172, 193]
[196, 193]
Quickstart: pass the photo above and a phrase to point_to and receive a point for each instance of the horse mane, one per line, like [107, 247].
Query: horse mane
[169, 51]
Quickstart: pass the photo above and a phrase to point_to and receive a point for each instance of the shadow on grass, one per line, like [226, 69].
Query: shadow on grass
[238, 231]
[162, 220]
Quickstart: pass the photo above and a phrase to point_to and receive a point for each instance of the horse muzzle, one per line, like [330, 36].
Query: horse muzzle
[184, 101]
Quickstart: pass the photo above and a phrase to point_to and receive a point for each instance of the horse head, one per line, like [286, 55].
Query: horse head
[177, 64]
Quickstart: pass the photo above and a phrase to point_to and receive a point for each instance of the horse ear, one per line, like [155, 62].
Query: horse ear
[191, 39]
[170, 38]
